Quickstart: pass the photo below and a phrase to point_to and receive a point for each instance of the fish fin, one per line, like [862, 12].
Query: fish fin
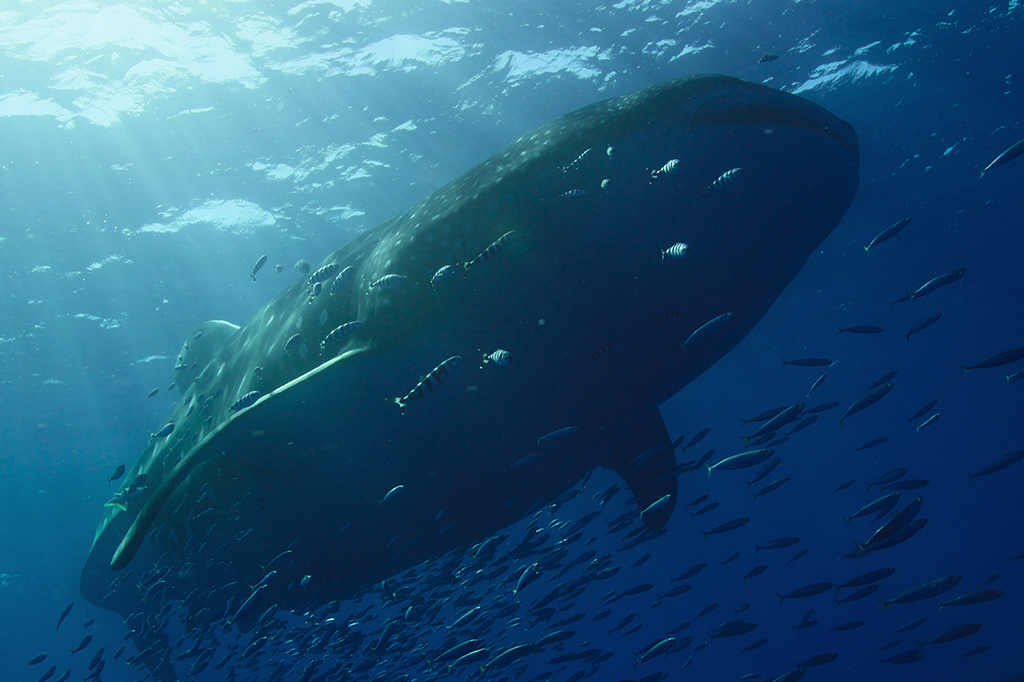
[965, 369]
[644, 483]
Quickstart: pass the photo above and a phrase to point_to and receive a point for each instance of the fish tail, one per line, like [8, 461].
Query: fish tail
[709, 471]
[704, 534]
[840, 420]
[981, 173]
[465, 268]
[484, 360]
[781, 599]
[884, 604]
[839, 330]
[758, 547]
[253, 277]
[920, 644]
[965, 369]
[397, 401]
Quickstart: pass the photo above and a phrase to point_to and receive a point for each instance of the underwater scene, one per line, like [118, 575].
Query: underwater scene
[405, 342]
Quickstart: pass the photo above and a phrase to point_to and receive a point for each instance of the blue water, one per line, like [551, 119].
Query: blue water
[152, 152]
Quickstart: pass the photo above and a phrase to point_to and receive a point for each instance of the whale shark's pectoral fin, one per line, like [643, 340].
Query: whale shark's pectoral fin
[645, 460]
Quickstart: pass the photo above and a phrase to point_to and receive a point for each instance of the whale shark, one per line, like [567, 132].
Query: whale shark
[471, 360]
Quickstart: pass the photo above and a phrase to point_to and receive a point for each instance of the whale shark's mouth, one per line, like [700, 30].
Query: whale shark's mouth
[757, 106]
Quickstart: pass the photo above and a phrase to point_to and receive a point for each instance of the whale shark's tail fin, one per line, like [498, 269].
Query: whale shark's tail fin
[651, 481]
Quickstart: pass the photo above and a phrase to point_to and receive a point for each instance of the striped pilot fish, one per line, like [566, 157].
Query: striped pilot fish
[338, 333]
[726, 178]
[669, 167]
[496, 247]
[677, 251]
[323, 274]
[437, 376]
[502, 358]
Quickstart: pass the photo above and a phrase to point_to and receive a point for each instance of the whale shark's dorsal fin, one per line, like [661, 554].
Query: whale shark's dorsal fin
[201, 345]
[650, 481]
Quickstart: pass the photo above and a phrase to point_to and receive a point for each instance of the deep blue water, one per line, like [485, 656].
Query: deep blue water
[151, 153]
